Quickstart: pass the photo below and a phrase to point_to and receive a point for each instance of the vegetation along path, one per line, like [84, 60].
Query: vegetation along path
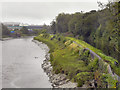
[80, 62]
[94, 54]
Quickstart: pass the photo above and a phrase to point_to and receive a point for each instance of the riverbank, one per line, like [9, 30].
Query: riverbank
[76, 60]
[57, 80]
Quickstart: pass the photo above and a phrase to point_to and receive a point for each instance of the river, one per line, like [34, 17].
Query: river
[21, 64]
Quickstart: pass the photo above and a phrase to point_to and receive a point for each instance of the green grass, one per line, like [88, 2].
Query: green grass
[109, 59]
[65, 57]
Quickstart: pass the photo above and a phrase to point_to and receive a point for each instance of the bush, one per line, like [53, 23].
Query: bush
[85, 56]
[53, 36]
[64, 40]
[51, 39]
[59, 39]
[45, 35]
[82, 77]
[51, 57]
[80, 83]
[93, 65]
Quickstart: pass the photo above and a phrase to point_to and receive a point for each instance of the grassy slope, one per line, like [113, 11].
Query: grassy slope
[65, 58]
[109, 59]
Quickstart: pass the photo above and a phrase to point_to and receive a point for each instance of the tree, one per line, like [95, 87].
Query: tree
[53, 27]
[5, 30]
[24, 30]
[62, 22]
[98, 28]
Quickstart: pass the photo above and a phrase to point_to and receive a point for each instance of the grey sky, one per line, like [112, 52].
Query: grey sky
[42, 12]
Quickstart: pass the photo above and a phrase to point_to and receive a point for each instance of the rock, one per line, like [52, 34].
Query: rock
[68, 85]
[57, 80]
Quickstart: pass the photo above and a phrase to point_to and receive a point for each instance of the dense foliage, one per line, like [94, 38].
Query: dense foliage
[5, 31]
[24, 30]
[70, 56]
[98, 28]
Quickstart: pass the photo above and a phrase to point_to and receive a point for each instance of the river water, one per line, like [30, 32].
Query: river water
[21, 64]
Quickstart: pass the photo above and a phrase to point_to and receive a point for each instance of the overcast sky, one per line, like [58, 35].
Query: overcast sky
[34, 12]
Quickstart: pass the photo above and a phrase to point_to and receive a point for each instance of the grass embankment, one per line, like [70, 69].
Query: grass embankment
[74, 61]
[107, 59]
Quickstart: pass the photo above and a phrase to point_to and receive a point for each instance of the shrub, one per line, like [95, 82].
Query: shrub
[45, 35]
[51, 57]
[85, 56]
[51, 39]
[64, 40]
[54, 36]
[80, 83]
[82, 77]
[59, 39]
[93, 65]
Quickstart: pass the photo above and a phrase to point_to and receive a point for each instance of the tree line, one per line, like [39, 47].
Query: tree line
[13, 33]
[98, 28]
[23, 31]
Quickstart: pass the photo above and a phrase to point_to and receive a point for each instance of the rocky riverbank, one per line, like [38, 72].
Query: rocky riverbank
[57, 80]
